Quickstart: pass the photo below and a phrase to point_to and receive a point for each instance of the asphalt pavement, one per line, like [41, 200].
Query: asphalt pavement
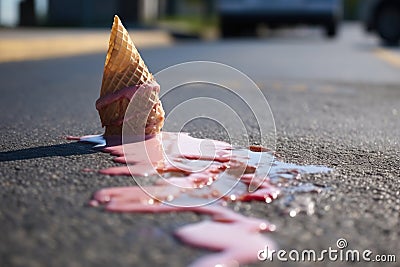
[335, 103]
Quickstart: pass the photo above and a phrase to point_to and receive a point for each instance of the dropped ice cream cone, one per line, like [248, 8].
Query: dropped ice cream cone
[126, 76]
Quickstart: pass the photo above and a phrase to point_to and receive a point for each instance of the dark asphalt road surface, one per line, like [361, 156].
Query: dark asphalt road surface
[345, 117]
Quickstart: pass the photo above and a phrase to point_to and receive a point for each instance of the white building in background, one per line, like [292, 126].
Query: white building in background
[9, 14]
[10, 11]
[92, 13]
[79, 12]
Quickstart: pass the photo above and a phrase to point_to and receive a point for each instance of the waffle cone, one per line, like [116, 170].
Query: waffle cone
[123, 68]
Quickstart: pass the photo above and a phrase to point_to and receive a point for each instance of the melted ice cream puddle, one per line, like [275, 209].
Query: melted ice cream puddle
[202, 175]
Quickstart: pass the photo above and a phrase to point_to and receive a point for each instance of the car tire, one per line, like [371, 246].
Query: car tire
[228, 27]
[387, 23]
[331, 29]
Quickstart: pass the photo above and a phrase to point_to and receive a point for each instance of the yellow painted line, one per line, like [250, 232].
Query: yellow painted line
[260, 84]
[327, 89]
[277, 86]
[31, 49]
[34, 48]
[388, 56]
[299, 87]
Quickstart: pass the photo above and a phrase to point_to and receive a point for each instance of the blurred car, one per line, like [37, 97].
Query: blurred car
[238, 17]
[383, 17]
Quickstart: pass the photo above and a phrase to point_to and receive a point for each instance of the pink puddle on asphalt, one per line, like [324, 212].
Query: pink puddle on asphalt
[202, 176]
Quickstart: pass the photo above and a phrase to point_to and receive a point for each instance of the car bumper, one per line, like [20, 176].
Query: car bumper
[285, 17]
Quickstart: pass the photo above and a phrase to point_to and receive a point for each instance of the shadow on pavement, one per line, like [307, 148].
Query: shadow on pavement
[69, 149]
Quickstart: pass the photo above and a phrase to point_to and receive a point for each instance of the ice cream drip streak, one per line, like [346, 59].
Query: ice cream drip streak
[202, 176]
[124, 93]
[109, 98]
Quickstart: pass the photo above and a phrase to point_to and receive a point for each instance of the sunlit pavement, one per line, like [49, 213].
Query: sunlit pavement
[36, 44]
[390, 55]
[335, 103]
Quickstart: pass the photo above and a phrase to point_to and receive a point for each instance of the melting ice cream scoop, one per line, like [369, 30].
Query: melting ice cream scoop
[127, 77]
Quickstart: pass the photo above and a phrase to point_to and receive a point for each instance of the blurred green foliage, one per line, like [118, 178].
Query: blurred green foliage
[351, 9]
[192, 24]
